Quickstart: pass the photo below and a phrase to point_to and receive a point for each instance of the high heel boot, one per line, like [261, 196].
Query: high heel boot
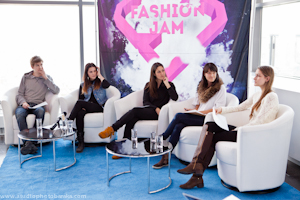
[194, 181]
[192, 168]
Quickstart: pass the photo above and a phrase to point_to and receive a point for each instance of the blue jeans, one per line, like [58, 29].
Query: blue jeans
[180, 121]
[21, 114]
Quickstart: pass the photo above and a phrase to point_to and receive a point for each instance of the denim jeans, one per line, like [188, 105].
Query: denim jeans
[180, 121]
[21, 114]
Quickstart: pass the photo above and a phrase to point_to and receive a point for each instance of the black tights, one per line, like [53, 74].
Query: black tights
[80, 109]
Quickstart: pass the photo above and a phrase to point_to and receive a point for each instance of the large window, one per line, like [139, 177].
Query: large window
[51, 31]
[280, 43]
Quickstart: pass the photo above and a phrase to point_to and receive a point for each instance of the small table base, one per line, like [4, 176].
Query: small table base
[148, 163]
[54, 155]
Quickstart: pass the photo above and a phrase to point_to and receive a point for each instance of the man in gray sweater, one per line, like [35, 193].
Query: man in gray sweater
[32, 91]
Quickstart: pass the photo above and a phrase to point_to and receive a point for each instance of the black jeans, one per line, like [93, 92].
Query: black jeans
[132, 116]
[80, 109]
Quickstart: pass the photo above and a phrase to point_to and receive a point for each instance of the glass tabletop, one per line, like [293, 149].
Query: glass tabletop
[124, 148]
[31, 134]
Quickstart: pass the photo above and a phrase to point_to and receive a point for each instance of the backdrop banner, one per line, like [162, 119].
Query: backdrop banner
[183, 35]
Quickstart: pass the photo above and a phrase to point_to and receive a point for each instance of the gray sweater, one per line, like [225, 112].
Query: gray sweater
[33, 89]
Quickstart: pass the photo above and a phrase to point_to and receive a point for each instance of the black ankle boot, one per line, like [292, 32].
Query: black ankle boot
[80, 137]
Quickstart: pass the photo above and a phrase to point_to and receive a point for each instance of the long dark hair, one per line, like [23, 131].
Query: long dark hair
[86, 80]
[152, 85]
[204, 83]
[267, 72]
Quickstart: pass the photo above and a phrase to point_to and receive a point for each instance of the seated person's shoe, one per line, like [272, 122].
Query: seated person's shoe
[28, 148]
[194, 181]
[162, 163]
[108, 132]
[116, 157]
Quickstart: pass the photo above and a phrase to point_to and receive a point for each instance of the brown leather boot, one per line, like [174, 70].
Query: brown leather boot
[162, 163]
[192, 168]
[108, 132]
[194, 181]
[116, 157]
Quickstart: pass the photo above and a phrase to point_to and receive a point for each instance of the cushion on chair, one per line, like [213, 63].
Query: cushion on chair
[93, 120]
[190, 135]
[145, 127]
[227, 152]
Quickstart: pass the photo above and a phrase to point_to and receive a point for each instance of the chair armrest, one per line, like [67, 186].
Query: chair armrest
[53, 106]
[178, 107]
[67, 102]
[109, 108]
[256, 144]
[132, 100]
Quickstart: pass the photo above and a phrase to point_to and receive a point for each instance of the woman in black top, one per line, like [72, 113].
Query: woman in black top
[157, 92]
[92, 97]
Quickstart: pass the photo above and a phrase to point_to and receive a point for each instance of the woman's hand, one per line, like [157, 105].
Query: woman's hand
[219, 110]
[166, 82]
[188, 109]
[157, 110]
[99, 74]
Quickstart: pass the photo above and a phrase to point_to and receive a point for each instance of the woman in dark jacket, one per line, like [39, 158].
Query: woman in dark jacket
[92, 97]
[157, 92]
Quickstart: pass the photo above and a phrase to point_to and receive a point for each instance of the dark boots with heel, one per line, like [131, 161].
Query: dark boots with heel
[194, 181]
[80, 138]
[192, 168]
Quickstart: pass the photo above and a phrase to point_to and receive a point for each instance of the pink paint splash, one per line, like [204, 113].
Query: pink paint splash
[146, 42]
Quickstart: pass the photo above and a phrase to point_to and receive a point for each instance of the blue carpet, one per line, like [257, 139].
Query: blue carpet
[38, 180]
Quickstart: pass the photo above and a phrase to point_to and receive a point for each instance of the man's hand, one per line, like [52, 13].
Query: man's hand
[157, 110]
[43, 74]
[25, 105]
[166, 82]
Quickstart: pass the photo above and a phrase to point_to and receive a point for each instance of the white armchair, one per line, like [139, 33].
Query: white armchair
[258, 160]
[9, 106]
[143, 127]
[94, 122]
[190, 135]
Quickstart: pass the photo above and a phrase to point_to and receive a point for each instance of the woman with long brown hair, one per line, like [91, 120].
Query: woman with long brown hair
[264, 107]
[92, 97]
[210, 93]
[157, 92]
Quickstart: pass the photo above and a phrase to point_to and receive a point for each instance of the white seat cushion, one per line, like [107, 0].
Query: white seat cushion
[93, 120]
[227, 152]
[145, 127]
[190, 135]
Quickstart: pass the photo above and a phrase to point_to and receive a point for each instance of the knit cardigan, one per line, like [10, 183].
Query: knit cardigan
[266, 112]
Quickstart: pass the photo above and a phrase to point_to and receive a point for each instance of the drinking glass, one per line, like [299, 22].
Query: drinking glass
[69, 126]
[153, 141]
[160, 142]
[39, 127]
[134, 139]
[63, 126]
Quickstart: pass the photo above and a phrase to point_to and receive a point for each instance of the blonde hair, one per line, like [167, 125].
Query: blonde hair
[267, 72]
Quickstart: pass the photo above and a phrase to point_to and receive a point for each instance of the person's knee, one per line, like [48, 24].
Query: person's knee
[21, 112]
[40, 112]
[179, 116]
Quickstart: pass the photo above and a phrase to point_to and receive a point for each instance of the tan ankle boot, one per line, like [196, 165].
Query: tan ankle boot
[194, 181]
[108, 132]
[192, 168]
[162, 163]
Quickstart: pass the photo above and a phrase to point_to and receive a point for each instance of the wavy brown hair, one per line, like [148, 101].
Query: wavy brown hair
[86, 80]
[267, 71]
[152, 85]
[204, 83]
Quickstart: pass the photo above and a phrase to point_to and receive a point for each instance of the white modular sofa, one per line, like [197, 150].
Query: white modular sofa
[258, 160]
[190, 135]
[94, 122]
[143, 127]
[9, 106]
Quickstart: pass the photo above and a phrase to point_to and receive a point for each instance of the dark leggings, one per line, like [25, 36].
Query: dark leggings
[80, 109]
[214, 135]
[132, 116]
